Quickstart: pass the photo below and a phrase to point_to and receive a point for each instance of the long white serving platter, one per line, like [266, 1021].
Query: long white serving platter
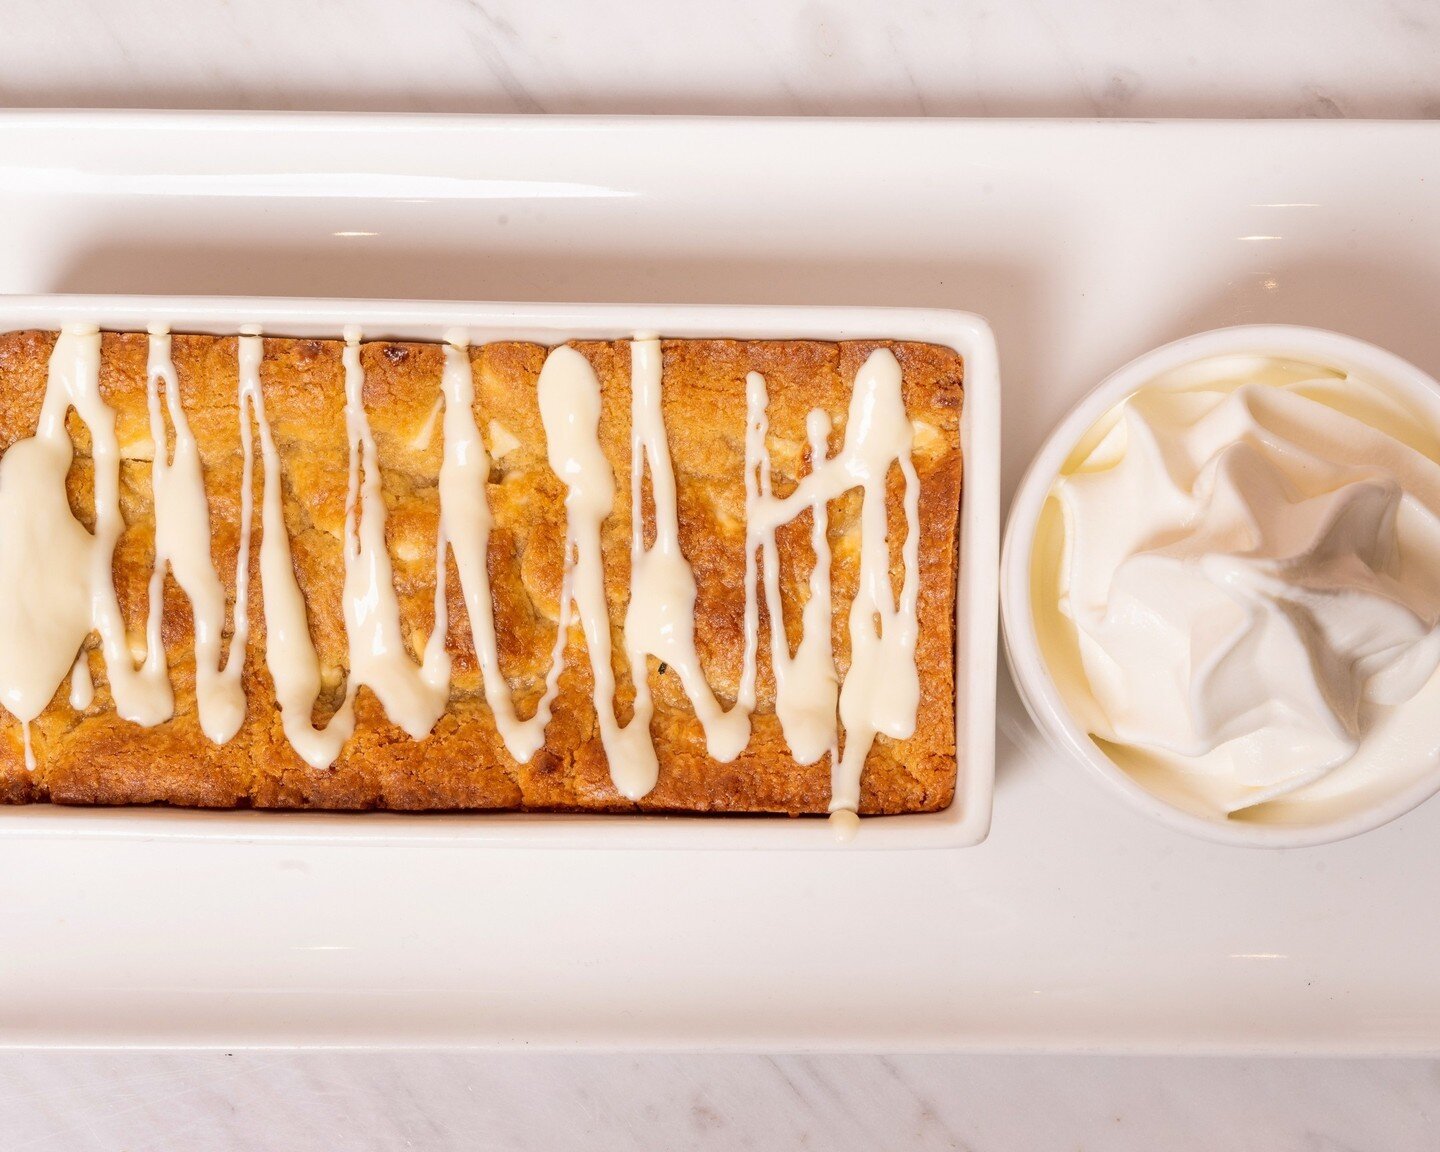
[1076, 924]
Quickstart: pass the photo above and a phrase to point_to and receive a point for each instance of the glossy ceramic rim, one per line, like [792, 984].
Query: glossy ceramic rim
[1031, 674]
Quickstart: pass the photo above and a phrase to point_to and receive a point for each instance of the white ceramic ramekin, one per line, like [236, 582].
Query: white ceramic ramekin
[1032, 676]
[965, 822]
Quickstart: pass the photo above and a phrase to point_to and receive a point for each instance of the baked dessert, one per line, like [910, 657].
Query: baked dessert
[345, 575]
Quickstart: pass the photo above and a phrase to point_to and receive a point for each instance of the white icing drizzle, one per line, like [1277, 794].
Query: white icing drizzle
[806, 685]
[844, 823]
[413, 697]
[290, 654]
[82, 687]
[881, 691]
[46, 614]
[182, 542]
[660, 618]
[465, 523]
[141, 695]
[56, 582]
[570, 410]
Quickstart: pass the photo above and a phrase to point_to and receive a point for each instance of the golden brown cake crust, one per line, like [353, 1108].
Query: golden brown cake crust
[93, 757]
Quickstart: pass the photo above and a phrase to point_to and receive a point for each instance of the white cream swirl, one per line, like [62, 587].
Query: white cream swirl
[1245, 593]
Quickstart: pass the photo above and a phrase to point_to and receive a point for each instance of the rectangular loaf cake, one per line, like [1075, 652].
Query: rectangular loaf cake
[84, 752]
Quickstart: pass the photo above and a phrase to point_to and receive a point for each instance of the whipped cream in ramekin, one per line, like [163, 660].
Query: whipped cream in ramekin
[1236, 584]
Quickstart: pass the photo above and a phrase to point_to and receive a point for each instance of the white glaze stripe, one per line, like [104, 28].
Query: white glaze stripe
[806, 685]
[414, 698]
[569, 394]
[660, 618]
[141, 695]
[182, 543]
[881, 691]
[56, 582]
[82, 687]
[290, 654]
[466, 520]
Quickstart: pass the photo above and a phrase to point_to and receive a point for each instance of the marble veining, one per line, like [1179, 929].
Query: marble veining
[318, 1102]
[903, 57]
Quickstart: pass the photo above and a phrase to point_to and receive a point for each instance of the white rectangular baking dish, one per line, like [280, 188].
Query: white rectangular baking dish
[965, 822]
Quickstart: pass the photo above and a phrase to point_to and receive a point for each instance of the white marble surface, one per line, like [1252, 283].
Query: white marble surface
[323, 1102]
[1357, 58]
[1379, 58]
